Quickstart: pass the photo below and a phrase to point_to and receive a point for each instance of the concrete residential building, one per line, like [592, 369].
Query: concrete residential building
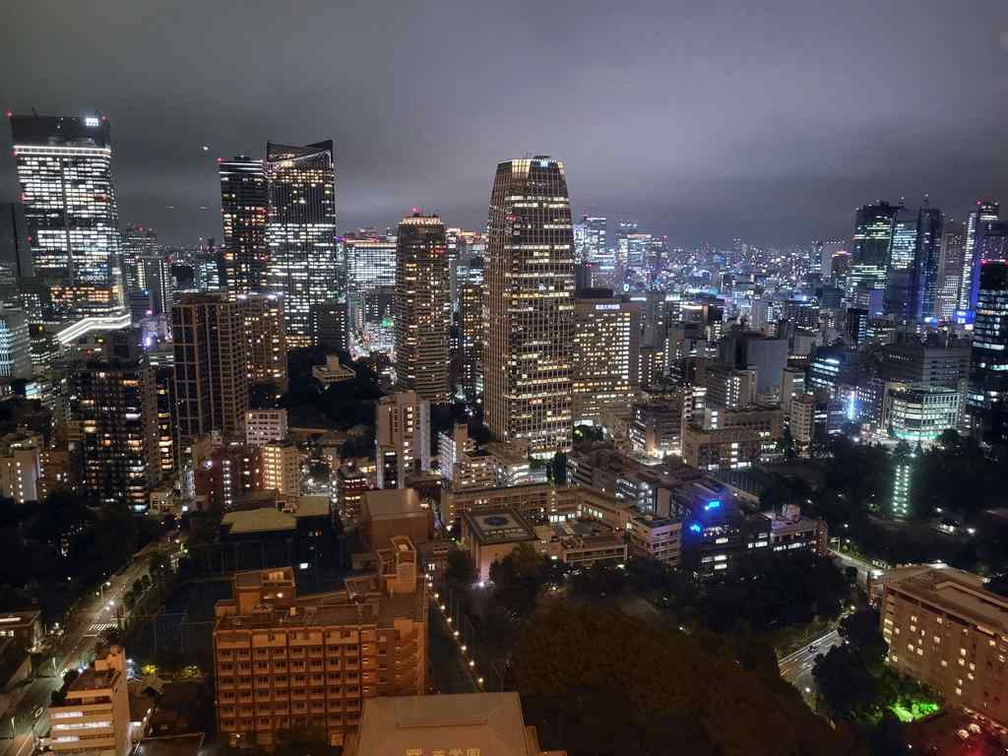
[211, 380]
[265, 340]
[606, 353]
[529, 279]
[114, 404]
[94, 718]
[20, 470]
[280, 465]
[466, 724]
[402, 437]
[422, 308]
[656, 537]
[656, 426]
[284, 662]
[264, 426]
[947, 630]
[802, 422]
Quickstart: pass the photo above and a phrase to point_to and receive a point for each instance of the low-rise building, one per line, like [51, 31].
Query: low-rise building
[920, 414]
[491, 536]
[284, 662]
[466, 724]
[659, 538]
[394, 512]
[333, 371]
[92, 716]
[351, 485]
[24, 629]
[582, 543]
[946, 629]
[790, 530]
[265, 426]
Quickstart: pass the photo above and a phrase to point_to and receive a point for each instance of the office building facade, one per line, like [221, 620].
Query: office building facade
[987, 397]
[301, 233]
[529, 275]
[64, 169]
[244, 210]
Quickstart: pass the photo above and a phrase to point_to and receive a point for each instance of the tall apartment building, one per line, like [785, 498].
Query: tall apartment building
[606, 353]
[402, 437]
[64, 170]
[422, 308]
[529, 278]
[265, 340]
[280, 465]
[301, 233]
[946, 629]
[15, 345]
[114, 404]
[244, 208]
[285, 662]
[211, 381]
[93, 719]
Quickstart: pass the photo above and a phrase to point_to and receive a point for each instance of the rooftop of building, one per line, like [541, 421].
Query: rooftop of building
[393, 503]
[579, 533]
[954, 591]
[487, 723]
[171, 745]
[503, 525]
[11, 620]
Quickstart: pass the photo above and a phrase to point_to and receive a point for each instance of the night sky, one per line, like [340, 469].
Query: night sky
[703, 120]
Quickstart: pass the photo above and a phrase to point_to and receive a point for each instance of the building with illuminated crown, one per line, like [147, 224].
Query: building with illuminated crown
[529, 279]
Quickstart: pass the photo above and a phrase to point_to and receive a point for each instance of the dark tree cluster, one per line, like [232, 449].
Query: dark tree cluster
[599, 683]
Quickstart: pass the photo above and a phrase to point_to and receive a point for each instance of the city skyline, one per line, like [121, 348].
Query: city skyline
[652, 126]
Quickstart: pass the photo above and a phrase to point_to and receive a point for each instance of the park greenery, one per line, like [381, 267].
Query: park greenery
[598, 682]
[855, 685]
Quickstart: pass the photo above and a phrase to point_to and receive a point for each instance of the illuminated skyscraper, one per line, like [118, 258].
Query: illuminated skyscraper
[64, 168]
[873, 230]
[15, 346]
[529, 274]
[927, 255]
[301, 233]
[969, 286]
[987, 398]
[422, 309]
[371, 275]
[244, 208]
[471, 327]
[137, 242]
[606, 353]
[951, 269]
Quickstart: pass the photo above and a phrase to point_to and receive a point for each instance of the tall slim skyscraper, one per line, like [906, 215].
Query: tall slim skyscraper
[244, 207]
[371, 276]
[529, 275]
[471, 327]
[987, 398]
[951, 269]
[927, 255]
[402, 438]
[422, 309]
[969, 286]
[900, 262]
[211, 380]
[64, 168]
[301, 232]
[137, 241]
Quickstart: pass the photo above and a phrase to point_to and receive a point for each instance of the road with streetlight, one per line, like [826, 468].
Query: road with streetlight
[796, 668]
[75, 648]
